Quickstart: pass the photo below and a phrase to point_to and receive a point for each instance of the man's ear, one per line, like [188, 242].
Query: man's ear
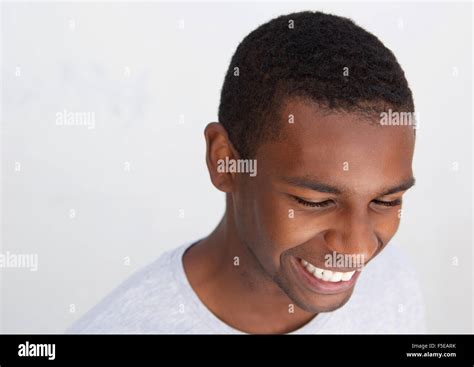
[218, 147]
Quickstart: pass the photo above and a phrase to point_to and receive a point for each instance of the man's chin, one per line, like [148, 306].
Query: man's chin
[313, 302]
[316, 303]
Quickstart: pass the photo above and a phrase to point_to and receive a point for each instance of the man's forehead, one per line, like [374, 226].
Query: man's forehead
[306, 117]
[307, 127]
[341, 148]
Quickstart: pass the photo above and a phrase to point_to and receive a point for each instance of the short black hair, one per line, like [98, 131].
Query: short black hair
[324, 58]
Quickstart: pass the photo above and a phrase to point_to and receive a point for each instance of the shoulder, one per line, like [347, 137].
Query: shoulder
[143, 303]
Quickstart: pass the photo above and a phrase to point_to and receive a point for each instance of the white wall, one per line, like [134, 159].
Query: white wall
[132, 65]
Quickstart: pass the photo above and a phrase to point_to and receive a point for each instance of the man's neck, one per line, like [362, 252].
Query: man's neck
[228, 279]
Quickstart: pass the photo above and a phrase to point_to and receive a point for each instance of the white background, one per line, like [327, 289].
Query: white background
[75, 56]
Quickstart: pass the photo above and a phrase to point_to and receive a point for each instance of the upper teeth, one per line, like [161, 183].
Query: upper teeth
[327, 275]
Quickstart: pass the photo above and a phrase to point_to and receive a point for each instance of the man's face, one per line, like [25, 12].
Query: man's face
[331, 186]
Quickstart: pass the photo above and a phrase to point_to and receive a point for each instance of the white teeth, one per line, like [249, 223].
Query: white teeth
[347, 276]
[336, 277]
[327, 275]
[319, 273]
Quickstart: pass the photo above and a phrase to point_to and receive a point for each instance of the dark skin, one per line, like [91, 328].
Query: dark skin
[341, 177]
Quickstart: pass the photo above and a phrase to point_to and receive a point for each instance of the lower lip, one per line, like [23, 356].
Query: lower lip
[319, 285]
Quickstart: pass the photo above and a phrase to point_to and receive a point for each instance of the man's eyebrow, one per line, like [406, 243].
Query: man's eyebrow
[400, 187]
[311, 184]
[315, 185]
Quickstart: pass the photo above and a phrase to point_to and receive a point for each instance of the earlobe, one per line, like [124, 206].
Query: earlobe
[218, 147]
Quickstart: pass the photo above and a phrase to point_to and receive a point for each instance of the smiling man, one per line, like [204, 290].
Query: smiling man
[302, 97]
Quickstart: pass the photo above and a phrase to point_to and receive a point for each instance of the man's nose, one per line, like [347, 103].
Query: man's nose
[354, 234]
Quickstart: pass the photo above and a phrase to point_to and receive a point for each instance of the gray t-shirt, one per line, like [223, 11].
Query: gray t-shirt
[159, 299]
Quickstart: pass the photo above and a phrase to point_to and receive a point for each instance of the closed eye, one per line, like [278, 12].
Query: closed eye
[388, 203]
[313, 204]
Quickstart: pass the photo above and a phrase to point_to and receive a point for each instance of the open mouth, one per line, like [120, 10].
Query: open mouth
[326, 274]
[324, 281]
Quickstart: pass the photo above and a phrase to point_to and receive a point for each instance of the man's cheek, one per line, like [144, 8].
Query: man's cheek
[277, 230]
[387, 226]
[278, 220]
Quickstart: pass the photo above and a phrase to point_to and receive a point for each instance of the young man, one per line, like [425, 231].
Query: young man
[314, 178]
